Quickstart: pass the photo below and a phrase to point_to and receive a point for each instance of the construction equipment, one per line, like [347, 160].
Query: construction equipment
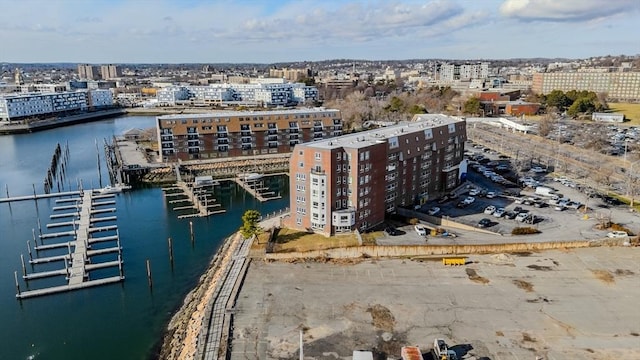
[460, 260]
[441, 351]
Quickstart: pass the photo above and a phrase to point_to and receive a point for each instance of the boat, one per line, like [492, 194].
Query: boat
[117, 188]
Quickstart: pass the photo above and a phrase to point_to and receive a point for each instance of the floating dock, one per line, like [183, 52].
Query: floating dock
[77, 264]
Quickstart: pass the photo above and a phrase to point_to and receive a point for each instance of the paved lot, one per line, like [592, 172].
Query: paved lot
[578, 304]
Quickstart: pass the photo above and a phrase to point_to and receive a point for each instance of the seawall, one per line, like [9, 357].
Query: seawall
[8, 129]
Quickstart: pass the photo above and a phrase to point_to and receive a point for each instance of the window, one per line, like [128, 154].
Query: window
[318, 156]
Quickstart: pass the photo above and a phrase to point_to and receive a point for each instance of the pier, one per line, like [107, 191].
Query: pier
[77, 259]
[197, 197]
[255, 187]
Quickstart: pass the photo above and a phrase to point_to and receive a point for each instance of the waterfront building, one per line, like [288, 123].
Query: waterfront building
[259, 93]
[239, 133]
[622, 86]
[351, 182]
[17, 107]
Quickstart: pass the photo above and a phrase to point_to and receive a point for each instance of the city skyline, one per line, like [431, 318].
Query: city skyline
[251, 31]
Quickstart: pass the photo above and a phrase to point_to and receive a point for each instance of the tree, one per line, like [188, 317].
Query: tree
[472, 106]
[545, 126]
[250, 225]
[558, 99]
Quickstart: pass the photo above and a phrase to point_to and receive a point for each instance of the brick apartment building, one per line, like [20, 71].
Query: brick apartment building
[350, 182]
[239, 133]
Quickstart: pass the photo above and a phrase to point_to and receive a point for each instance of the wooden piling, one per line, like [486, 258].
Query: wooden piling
[15, 275]
[170, 250]
[24, 268]
[6, 187]
[120, 265]
[35, 198]
[149, 273]
[39, 228]
[29, 250]
[193, 239]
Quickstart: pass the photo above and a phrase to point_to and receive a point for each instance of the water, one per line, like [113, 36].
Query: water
[121, 321]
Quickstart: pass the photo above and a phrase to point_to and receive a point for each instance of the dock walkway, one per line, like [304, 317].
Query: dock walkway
[218, 313]
[77, 264]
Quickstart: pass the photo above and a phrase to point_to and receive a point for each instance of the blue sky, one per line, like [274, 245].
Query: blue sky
[267, 31]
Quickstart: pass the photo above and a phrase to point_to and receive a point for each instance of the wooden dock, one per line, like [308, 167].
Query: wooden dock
[39, 196]
[196, 197]
[257, 189]
[77, 265]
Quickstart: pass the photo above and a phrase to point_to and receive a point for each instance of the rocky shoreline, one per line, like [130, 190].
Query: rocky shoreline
[180, 340]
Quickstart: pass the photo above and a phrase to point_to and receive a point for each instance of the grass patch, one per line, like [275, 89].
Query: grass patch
[289, 240]
[370, 237]
[603, 275]
[524, 285]
[524, 231]
[630, 111]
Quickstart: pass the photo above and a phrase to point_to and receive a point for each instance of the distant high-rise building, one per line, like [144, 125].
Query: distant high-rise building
[110, 71]
[290, 74]
[623, 86]
[87, 71]
[18, 77]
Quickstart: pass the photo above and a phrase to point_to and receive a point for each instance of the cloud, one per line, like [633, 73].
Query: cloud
[566, 10]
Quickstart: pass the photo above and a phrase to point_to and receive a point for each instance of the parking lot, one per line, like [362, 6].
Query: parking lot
[567, 221]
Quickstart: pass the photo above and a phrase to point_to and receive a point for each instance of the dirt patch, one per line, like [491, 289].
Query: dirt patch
[634, 334]
[623, 272]
[473, 276]
[539, 299]
[527, 338]
[522, 253]
[604, 275]
[524, 285]
[382, 318]
[540, 267]
[499, 333]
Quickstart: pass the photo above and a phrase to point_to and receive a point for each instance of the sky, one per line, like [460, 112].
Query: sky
[269, 31]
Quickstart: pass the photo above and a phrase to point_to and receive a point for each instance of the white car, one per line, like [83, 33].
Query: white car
[489, 209]
[617, 234]
[474, 192]
[537, 170]
[521, 216]
[433, 211]
[499, 212]
[421, 230]
[490, 195]
[469, 200]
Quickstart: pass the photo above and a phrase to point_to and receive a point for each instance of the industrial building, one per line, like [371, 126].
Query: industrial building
[351, 182]
[240, 133]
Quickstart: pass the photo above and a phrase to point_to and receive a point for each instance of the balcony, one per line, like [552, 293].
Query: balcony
[272, 132]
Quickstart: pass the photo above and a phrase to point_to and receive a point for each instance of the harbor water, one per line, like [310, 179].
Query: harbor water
[118, 321]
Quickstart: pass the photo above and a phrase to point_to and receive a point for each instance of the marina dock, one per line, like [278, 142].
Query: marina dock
[255, 187]
[78, 242]
[194, 197]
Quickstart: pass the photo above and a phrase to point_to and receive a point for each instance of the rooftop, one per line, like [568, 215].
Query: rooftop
[419, 123]
[238, 113]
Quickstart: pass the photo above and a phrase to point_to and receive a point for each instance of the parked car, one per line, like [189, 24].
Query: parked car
[391, 231]
[490, 195]
[518, 209]
[484, 223]
[538, 170]
[489, 209]
[469, 200]
[433, 211]
[474, 192]
[499, 212]
[521, 216]
[510, 215]
[421, 230]
[617, 234]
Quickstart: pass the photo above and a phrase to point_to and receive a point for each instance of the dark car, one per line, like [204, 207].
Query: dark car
[391, 231]
[517, 209]
[484, 223]
[511, 215]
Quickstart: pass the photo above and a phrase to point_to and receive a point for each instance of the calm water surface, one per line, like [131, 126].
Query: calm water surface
[121, 321]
